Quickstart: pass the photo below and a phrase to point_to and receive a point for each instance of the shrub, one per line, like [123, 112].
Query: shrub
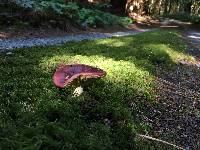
[195, 19]
[24, 3]
[79, 15]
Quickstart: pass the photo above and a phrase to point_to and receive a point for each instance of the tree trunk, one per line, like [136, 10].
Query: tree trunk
[146, 7]
[188, 8]
[119, 6]
[170, 6]
[166, 7]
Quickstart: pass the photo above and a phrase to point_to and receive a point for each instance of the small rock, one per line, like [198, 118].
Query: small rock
[9, 53]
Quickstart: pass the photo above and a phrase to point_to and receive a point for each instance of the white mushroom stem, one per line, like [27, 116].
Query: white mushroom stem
[78, 91]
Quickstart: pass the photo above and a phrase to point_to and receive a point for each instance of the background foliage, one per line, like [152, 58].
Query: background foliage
[78, 14]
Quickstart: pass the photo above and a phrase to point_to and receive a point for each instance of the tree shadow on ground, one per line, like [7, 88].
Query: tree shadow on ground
[34, 111]
[154, 49]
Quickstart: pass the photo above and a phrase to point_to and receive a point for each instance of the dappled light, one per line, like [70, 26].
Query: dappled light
[112, 42]
[169, 26]
[118, 72]
[166, 52]
[99, 74]
[108, 108]
[195, 35]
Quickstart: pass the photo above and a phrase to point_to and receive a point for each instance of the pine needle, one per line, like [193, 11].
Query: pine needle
[158, 140]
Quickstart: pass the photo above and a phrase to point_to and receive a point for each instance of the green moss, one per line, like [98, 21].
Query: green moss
[36, 115]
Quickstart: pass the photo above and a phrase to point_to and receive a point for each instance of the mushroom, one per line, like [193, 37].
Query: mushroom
[66, 74]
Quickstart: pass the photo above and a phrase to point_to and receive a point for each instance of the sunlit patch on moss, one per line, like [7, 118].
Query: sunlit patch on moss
[37, 115]
[111, 42]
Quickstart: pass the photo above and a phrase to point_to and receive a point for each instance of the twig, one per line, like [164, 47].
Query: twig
[154, 139]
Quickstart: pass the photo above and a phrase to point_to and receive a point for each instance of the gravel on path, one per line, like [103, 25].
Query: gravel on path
[176, 118]
[10, 44]
[194, 40]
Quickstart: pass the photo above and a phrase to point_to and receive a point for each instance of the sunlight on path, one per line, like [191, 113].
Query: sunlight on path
[9, 44]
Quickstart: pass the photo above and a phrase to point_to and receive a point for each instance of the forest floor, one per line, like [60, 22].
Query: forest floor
[176, 116]
[12, 32]
[13, 37]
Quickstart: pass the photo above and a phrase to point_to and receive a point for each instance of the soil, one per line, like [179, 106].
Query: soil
[12, 32]
[176, 116]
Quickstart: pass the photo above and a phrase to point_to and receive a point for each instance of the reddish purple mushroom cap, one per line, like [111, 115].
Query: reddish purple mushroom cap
[64, 75]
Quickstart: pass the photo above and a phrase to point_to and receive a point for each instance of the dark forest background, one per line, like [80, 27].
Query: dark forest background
[94, 13]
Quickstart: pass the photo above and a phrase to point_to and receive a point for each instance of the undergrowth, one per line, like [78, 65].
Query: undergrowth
[195, 19]
[78, 14]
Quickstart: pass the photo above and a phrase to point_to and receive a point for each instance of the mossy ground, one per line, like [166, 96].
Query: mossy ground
[34, 114]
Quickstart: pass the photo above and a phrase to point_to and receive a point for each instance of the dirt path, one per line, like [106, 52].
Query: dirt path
[10, 44]
[194, 40]
[176, 118]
